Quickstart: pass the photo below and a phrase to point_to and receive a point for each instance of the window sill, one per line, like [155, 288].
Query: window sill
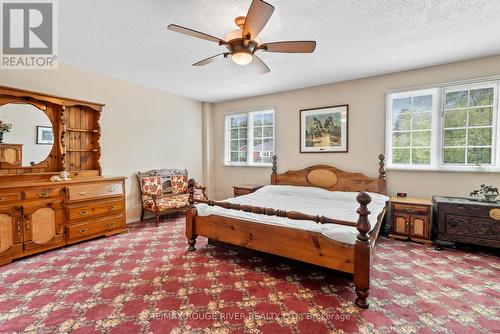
[248, 165]
[446, 170]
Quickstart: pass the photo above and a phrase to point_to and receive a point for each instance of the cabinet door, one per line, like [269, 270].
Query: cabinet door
[400, 224]
[10, 232]
[43, 225]
[419, 226]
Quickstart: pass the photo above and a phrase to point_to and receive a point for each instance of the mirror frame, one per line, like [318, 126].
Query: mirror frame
[42, 107]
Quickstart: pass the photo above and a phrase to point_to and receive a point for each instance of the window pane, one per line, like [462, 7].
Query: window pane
[268, 157]
[243, 133]
[243, 156]
[401, 139]
[258, 120]
[481, 97]
[421, 138]
[421, 156]
[234, 145]
[480, 137]
[267, 145]
[401, 156]
[454, 155]
[401, 105]
[257, 132]
[480, 116]
[422, 121]
[268, 131]
[234, 134]
[268, 119]
[455, 118]
[422, 103]
[401, 122]
[454, 137]
[257, 144]
[242, 145]
[479, 155]
[234, 156]
[456, 100]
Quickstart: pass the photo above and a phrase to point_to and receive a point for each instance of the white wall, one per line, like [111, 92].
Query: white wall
[24, 119]
[142, 128]
[366, 99]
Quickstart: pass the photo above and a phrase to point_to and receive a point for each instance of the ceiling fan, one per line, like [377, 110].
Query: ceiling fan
[243, 44]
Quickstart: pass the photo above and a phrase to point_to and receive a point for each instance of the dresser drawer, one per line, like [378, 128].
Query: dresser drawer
[96, 226]
[410, 208]
[9, 197]
[41, 193]
[96, 209]
[94, 191]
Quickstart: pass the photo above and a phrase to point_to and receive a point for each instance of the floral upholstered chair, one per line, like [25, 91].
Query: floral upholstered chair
[165, 192]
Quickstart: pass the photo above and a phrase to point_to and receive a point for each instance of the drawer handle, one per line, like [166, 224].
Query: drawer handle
[2, 199]
[18, 226]
[111, 207]
[83, 230]
[410, 210]
[83, 193]
[111, 224]
[27, 225]
[83, 212]
[111, 189]
[43, 194]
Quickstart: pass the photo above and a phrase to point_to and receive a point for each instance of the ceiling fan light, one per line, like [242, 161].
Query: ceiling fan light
[242, 58]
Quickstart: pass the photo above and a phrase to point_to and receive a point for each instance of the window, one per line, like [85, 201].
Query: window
[448, 128]
[249, 138]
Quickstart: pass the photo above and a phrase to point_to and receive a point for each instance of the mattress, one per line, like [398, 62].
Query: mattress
[338, 205]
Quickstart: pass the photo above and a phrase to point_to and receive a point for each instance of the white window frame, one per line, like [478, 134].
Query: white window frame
[250, 137]
[434, 129]
[437, 131]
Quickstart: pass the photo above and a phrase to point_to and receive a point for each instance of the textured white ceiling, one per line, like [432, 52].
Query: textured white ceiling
[128, 39]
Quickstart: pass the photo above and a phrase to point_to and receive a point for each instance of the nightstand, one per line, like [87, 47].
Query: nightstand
[411, 219]
[245, 189]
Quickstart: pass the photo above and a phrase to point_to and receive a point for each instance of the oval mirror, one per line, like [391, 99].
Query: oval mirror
[26, 136]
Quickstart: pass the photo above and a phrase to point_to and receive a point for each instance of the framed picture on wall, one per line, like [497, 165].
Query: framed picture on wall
[324, 130]
[44, 135]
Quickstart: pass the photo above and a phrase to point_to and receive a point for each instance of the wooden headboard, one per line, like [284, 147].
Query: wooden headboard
[332, 178]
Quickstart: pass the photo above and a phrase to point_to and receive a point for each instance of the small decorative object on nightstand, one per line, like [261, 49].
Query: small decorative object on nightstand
[411, 219]
[245, 189]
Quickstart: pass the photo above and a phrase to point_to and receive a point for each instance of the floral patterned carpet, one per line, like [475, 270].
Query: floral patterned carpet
[146, 282]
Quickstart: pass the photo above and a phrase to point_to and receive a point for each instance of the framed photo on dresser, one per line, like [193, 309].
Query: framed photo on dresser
[324, 130]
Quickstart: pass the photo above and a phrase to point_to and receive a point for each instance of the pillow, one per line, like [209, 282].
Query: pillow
[151, 186]
[179, 184]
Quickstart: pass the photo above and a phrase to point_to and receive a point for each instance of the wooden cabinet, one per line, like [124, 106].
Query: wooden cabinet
[411, 219]
[464, 221]
[39, 216]
[245, 189]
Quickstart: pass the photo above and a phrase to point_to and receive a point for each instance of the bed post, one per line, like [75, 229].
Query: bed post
[362, 252]
[382, 171]
[190, 216]
[275, 170]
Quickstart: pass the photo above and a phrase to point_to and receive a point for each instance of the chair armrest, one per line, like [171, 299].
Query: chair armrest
[202, 188]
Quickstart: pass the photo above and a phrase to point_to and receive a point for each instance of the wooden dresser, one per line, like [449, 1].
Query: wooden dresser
[37, 214]
[465, 221]
[411, 219]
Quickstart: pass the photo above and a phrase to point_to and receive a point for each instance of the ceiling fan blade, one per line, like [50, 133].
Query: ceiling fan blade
[210, 59]
[259, 66]
[289, 47]
[195, 33]
[258, 14]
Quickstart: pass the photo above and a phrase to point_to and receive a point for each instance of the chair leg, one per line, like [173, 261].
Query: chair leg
[157, 219]
[142, 215]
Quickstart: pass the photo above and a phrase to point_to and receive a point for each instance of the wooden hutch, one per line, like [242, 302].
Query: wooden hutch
[37, 214]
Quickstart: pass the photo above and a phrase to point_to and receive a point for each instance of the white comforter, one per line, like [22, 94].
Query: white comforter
[338, 205]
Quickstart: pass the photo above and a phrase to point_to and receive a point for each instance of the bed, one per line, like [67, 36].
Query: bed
[319, 215]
